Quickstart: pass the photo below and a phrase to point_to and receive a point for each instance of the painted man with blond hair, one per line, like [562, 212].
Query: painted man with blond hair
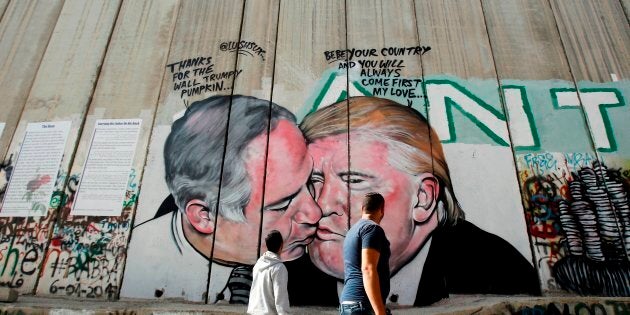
[371, 144]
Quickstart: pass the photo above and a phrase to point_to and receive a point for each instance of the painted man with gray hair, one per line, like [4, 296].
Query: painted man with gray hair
[226, 191]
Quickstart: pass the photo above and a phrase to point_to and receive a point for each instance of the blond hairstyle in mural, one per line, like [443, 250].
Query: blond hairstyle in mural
[368, 144]
[402, 128]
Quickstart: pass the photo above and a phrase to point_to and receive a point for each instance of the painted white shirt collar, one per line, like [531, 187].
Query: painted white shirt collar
[220, 273]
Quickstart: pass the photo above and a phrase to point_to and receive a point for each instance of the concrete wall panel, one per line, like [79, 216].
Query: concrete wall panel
[197, 68]
[61, 91]
[550, 167]
[3, 6]
[20, 57]
[86, 257]
[240, 234]
[595, 51]
[261, 115]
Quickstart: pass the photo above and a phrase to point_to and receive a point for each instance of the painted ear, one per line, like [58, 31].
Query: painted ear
[428, 193]
[198, 215]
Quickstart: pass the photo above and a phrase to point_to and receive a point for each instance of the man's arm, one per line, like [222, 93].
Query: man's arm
[280, 293]
[369, 261]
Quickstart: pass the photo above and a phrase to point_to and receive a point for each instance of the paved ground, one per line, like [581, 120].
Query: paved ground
[454, 305]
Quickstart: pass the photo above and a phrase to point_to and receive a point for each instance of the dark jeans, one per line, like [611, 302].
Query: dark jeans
[356, 308]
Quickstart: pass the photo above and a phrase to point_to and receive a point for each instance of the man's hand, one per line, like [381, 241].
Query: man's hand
[369, 262]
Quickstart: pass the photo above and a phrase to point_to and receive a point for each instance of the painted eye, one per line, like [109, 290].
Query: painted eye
[314, 185]
[311, 188]
[352, 179]
[317, 178]
[356, 182]
[280, 206]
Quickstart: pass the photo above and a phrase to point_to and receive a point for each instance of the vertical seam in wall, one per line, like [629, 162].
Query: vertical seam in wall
[424, 89]
[598, 157]
[625, 11]
[4, 11]
[415, 22]
[7, 152]
[31, 84]
[30, 91]
[225, 144]
[149, 137]
[383, 39]
[22, 113]
[512, 148]
[348, 188]
[58, 216]
[89, 104]
[12, 220]
[264, 188]
[566, 58]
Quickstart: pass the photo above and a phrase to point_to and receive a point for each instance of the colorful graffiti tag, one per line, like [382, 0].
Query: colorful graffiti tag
[90, 251]
[578, 218]
[86, 254]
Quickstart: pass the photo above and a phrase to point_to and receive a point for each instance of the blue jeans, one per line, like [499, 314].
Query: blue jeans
[355, 308]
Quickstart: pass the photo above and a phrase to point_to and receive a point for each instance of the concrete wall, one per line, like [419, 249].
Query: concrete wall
[503, 152]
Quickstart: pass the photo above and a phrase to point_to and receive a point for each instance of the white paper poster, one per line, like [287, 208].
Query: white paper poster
[107, 167]
[33, 179]
[1, 128]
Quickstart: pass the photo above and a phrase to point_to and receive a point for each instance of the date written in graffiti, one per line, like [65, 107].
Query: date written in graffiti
[87, 291]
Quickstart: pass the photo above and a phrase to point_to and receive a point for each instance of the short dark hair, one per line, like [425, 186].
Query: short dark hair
[273, 241]
[373, 202]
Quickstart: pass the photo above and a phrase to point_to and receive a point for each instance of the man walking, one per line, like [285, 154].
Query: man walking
[366, 261]
[269, 294]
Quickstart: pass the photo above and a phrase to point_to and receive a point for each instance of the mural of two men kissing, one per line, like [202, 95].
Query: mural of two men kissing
[307, 180]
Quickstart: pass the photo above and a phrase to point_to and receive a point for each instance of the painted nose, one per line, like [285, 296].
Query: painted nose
[333, 199]
[309, 212]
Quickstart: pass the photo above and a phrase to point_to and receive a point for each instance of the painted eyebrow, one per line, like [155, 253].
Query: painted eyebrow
[283, 200]
[354, 173]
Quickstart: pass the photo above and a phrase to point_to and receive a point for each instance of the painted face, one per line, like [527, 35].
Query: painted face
[288, 204]
[370, 171]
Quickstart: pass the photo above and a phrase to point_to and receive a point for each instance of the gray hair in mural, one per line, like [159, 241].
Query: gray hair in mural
[596, 221]
[194, 150]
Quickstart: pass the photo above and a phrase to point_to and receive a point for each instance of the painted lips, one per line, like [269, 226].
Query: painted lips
[303, 242]
[326, 234]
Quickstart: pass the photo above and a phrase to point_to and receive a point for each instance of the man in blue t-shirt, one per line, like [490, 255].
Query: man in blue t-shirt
[366, 261]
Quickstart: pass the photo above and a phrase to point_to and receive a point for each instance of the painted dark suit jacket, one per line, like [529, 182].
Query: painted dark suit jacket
[463, 259]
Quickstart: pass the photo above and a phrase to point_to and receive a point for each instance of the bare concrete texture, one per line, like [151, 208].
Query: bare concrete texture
[462, 304]
[8, 295]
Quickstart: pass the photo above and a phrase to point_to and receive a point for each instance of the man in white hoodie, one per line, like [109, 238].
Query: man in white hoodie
[268, 294]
